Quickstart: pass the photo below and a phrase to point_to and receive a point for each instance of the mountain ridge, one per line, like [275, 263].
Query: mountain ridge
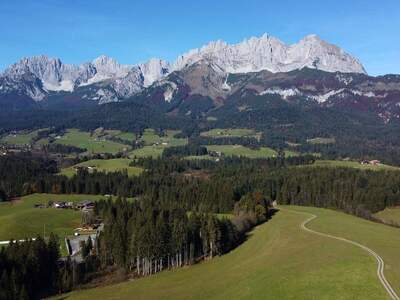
[206, 78]
[269, 53]
[251, 55]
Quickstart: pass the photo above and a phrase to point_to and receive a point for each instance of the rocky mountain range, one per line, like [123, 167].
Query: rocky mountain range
[311, 71]
[39, 76]
[271, 54]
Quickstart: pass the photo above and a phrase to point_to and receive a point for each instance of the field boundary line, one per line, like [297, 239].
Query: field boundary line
[381, 264]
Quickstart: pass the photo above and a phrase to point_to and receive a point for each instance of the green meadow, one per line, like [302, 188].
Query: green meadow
[154, 144]
[150, 137]
[200, 157]
[20, 219]
[280, 261]
[320, 140]
[211, 119]
[92, 143]
[147, 151]
[390, 215]
[20, 138]
[123, 135]
[127, 136]
[239, 150]
[105, 165]
[231, 132]
[351, 164]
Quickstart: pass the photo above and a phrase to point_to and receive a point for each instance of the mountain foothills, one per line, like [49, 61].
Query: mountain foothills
[290, 93]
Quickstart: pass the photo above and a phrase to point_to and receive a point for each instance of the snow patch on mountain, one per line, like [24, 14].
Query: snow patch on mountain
[369, 94]
[168, 94]
[320, 98]
[225, 85]
[324, 97]
[344, 79]
[284, 93]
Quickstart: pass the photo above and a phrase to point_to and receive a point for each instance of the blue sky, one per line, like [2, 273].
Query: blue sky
[133, 31]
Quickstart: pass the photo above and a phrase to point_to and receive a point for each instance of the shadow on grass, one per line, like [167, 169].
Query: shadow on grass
[249, 233]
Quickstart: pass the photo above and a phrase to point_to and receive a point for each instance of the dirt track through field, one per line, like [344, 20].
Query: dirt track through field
[381, 264]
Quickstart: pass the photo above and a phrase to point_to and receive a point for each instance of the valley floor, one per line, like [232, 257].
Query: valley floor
[281, 260]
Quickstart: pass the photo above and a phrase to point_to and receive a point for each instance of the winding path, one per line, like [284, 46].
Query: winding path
[381, 264]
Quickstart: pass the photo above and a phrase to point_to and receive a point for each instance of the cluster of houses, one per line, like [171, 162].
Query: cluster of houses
[216, 154]
[3, 151]
[13, 149]
[86, 205]
[90, 169]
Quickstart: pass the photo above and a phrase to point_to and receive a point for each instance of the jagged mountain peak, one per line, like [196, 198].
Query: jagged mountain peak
[314, 52]
[269, 53]
[106, 61]
[38, 65]
[311, 37]
[103, 59]
[107, 68]
[154, 69]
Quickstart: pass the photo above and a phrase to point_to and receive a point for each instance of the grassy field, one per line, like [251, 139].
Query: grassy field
[320, 140]
[290, 153]
[127, 136]
[150, 138]
[20, 138]
[351, 164]
[390, 215]
[147, 151]
[383, 239]
[238, 150]
[21, 220]
[155, 145]
[93, 144]
[105, 165]
[194, 157]
[231, 132]
[280, 261]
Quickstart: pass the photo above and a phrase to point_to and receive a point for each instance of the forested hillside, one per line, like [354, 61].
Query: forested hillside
[18, 170]
[181, 211]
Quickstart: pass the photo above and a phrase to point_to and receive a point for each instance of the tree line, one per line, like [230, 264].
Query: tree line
[208, 186]
[148, 236]
[30, 270]
[16, 171]
[199, 185]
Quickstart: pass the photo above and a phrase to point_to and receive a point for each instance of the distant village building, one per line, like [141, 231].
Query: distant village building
[373, 162]
[62, 204]
[85, 205]
[59, 204]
